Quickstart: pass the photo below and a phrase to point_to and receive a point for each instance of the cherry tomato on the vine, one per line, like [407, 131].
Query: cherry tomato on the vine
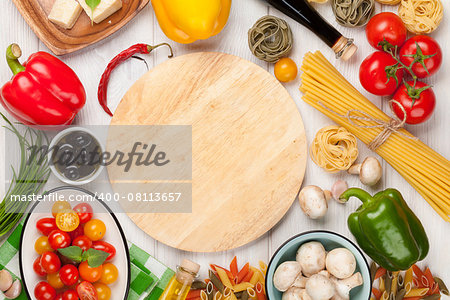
[285, 70]
[60, 206]
[83, 242]
[104, 246]
[95, 229]
[379, 74]
[424, 51]
[418, 102]
[38, 268]
[44, 291]
[42, 245]
[69, 274]
[50, 262]
[67, 220]
[110, 273]
[59, 239]
[70, 295]
[46, 225]
[89, 273]
[86, 291]
[84, 211]
[386, 26]
[103, 291]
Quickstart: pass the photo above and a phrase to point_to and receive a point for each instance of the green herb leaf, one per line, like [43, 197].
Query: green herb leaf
[74, 253]
[96, 258]
[93, 5]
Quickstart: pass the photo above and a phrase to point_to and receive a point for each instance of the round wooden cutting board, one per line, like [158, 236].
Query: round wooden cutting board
[248, 148]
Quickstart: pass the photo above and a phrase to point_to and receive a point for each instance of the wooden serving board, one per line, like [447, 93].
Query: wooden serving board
[62, 41]
[248, 148]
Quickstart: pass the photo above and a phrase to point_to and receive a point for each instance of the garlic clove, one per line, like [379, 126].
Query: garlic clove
[338, 188]
[14, 291]
[6, 280]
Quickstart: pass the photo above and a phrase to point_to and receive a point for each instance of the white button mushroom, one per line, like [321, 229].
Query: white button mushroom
[305, 295]
[344, 286]
[300, 281]
[369, 171]
[341, 263]
[311, 257]
[293, 293]
[313, 201]
[285, 275]
[320, 287]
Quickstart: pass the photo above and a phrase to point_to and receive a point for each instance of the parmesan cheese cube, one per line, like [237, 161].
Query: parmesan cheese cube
[65, 13]
[103, 10]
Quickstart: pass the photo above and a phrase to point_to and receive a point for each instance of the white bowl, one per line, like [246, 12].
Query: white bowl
[56, 139]
[114, 235]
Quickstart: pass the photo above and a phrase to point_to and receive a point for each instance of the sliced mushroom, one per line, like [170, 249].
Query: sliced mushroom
[341, 263]
[369, 171]
[311, 257]
[285, 275]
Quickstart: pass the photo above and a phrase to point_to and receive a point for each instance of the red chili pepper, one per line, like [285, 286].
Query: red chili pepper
[121, 57]
[43, 91]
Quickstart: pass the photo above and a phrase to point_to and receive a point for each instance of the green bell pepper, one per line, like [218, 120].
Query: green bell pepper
[386, 229]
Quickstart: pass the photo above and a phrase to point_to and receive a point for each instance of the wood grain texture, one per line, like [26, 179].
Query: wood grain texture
[62, 41]
[248, 148]
[90, 63]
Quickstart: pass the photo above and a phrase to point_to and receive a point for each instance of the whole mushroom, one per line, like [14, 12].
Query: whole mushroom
[311, 257]
[285, 275]
[341, 263]
[320, 287]
[344, 286]
[314, 201]
[293, 293]
[369, 171]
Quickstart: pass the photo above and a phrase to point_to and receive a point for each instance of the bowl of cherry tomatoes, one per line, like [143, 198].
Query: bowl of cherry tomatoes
[73, 247]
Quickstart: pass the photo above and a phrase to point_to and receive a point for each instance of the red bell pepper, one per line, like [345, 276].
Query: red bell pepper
[43, 91]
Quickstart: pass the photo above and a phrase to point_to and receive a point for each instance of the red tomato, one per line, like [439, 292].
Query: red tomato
[427, 53]
[38, 268]
[83, 242]
[418, 103]
[104, 246]
[386, 26]
[46, 225]
[70, 295]
[86, 291]
[44, 291]
[84, 211]
[59, 239]
[59, 297]
[378, 74]
[77, 232]
[69, 274]
[89, 273]
[50, 262]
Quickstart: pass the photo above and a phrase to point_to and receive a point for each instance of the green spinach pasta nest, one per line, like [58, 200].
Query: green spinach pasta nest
[353, 13]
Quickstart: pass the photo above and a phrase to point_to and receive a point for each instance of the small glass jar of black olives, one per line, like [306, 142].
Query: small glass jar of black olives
[75, 156]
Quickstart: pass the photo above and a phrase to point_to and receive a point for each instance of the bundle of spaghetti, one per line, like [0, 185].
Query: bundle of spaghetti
[328, 91]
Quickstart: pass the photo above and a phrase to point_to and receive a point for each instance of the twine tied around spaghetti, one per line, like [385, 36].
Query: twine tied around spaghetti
[393, 125]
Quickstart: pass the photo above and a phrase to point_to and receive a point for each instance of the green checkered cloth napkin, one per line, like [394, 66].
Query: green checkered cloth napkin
[149, 277]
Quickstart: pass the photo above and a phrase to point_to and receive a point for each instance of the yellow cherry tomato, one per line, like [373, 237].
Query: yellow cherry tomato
[42, 245]
[60, 206]
[110, 273]
[67, 220]
[95, 229]
[55, 281]
[285, 70]
[103, 291]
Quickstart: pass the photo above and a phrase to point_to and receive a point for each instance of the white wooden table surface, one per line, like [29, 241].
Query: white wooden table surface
[90, 63]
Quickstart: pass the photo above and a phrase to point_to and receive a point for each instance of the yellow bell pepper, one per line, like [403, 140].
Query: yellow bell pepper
[185, 21]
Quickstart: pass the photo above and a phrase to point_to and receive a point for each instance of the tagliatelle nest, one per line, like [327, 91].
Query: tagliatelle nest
[421, 16]
[334, 149]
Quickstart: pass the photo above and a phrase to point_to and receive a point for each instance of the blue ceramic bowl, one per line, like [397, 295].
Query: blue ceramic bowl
[329, 240]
